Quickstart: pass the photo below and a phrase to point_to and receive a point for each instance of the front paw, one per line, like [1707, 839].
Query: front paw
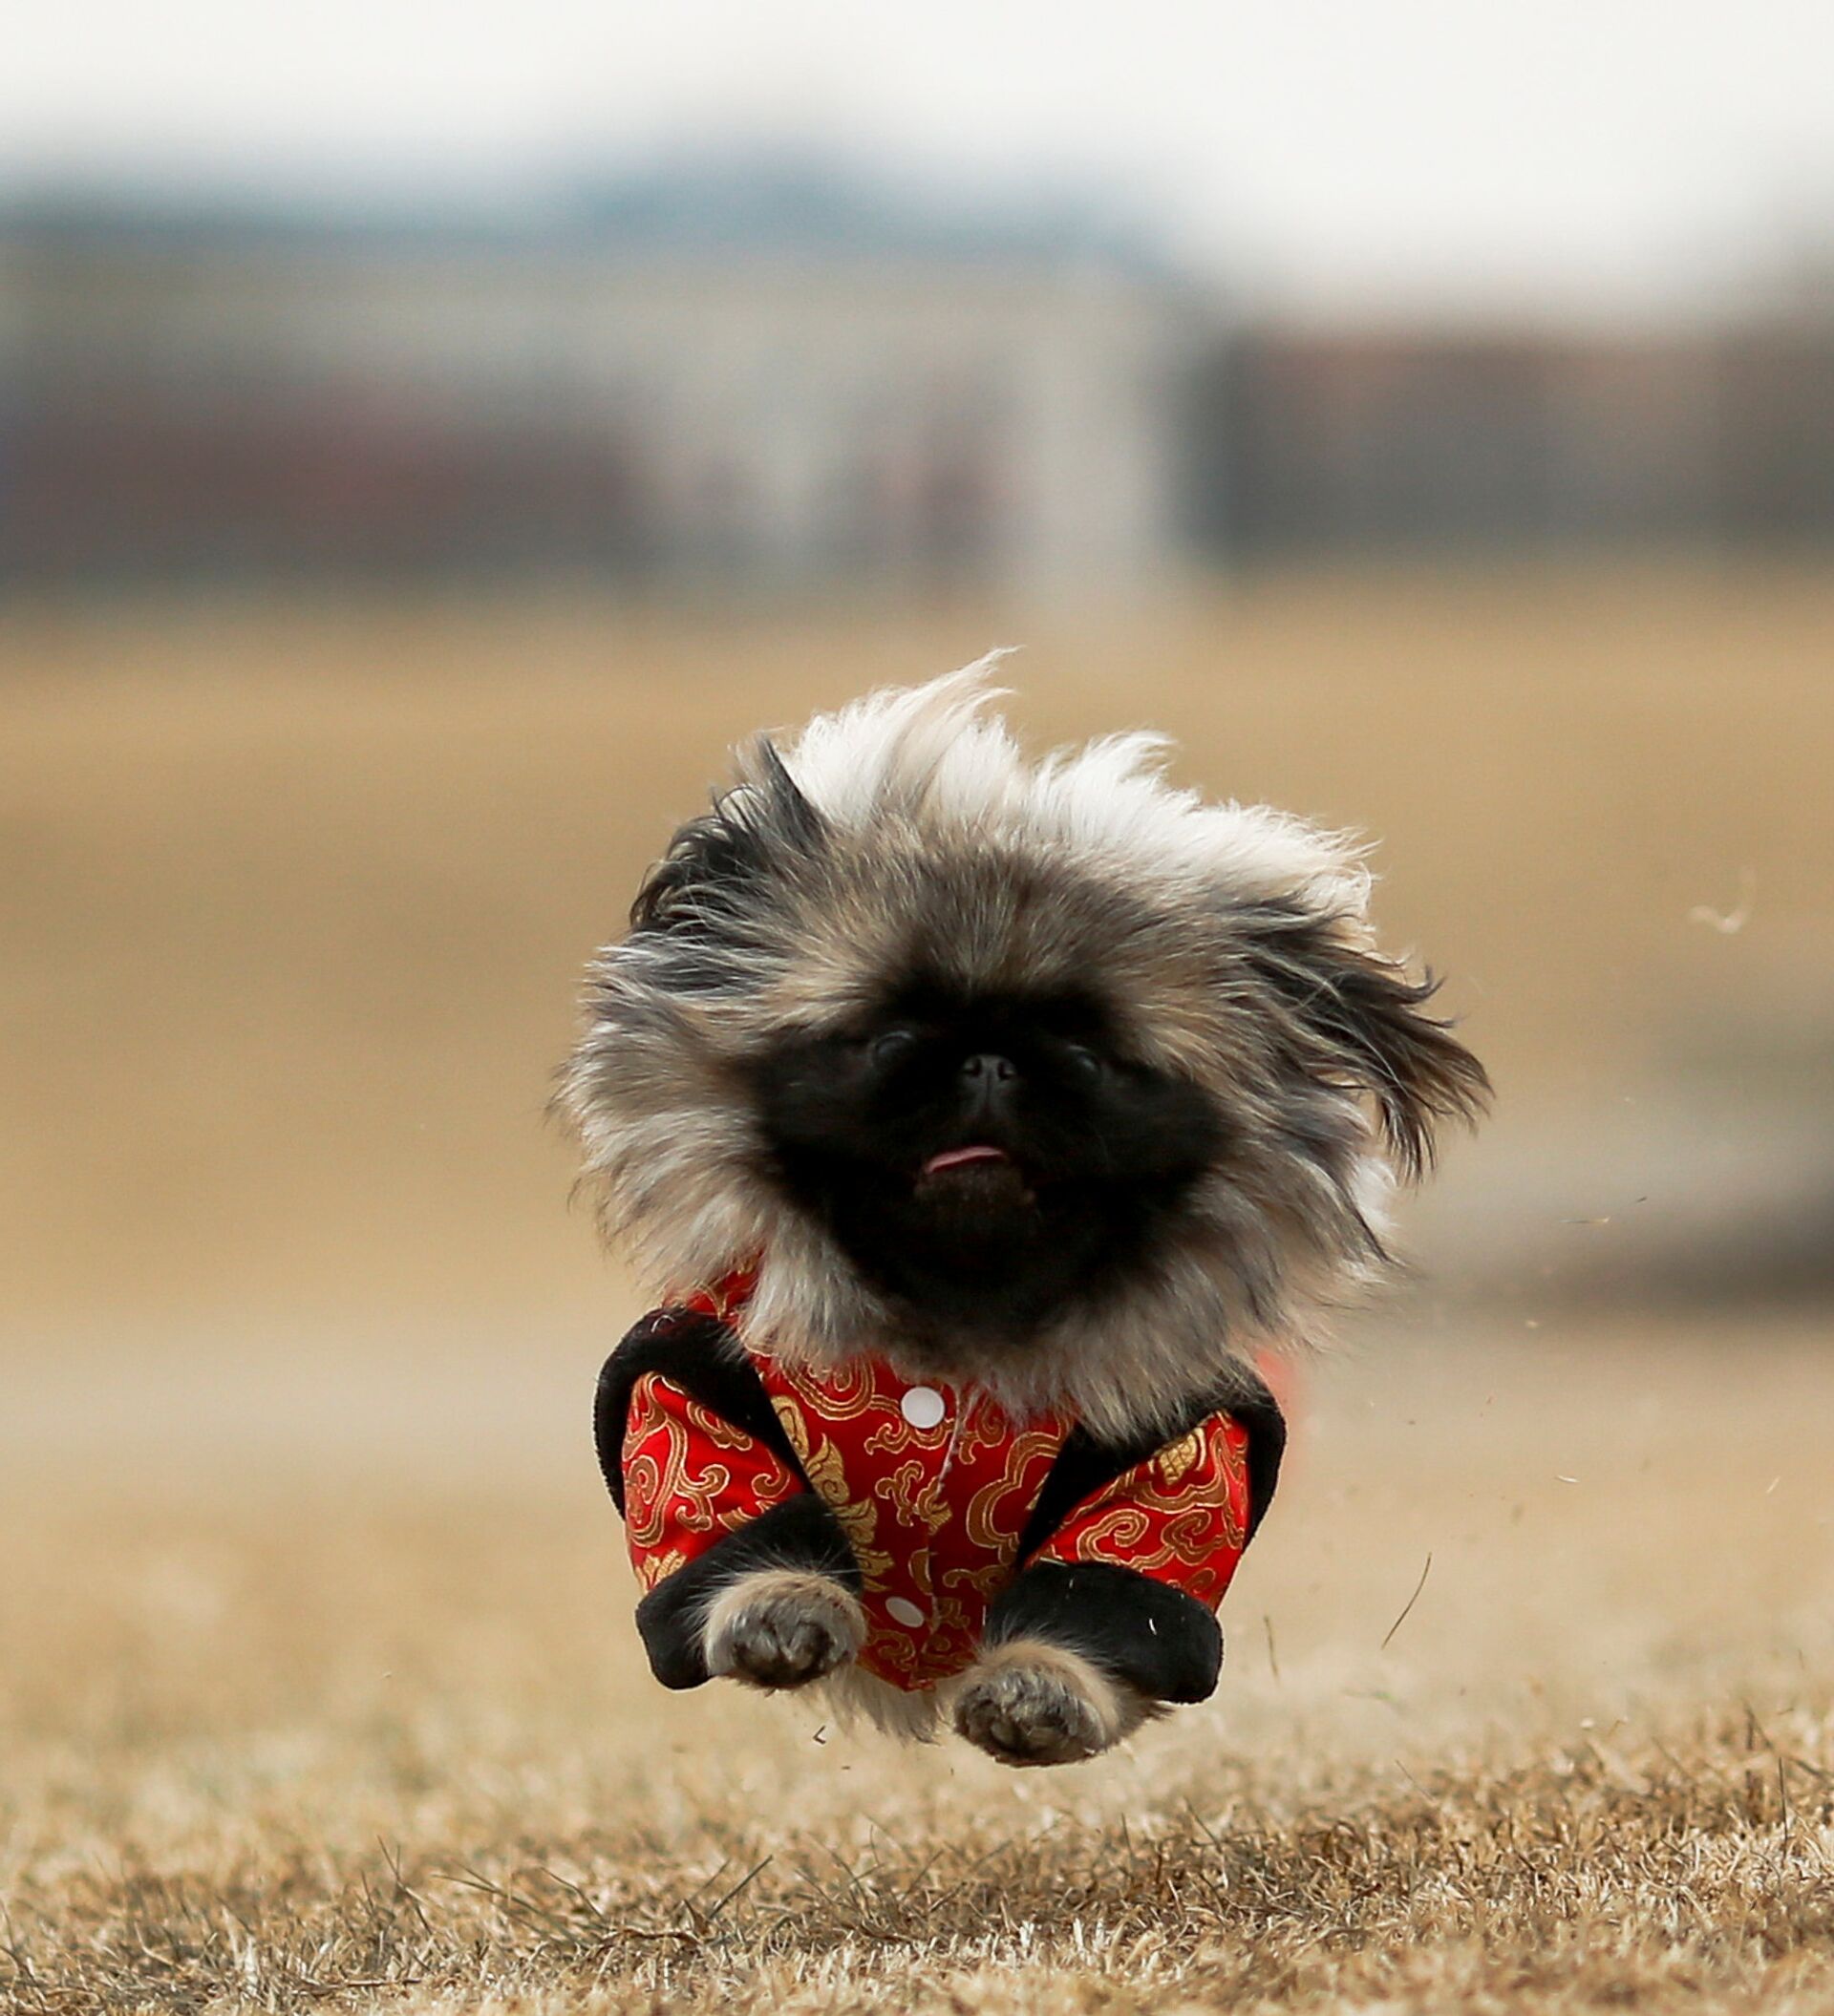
[783, 1628]
[1032, 1703]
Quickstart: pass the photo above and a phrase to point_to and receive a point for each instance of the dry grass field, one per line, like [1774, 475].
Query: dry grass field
[363, 1726]
[318, 1689]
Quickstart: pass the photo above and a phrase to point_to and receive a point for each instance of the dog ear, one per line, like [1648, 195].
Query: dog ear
[1356, 1019]
[719, 865]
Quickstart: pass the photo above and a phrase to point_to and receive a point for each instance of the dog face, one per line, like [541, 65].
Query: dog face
[984, 1157]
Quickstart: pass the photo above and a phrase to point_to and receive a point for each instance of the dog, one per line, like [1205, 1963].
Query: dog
[979, 1122]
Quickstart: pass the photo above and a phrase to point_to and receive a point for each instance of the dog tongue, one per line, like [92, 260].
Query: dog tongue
[961, 1158]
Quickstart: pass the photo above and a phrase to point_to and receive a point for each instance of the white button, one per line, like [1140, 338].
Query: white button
[900, 1610]
[923, 1406]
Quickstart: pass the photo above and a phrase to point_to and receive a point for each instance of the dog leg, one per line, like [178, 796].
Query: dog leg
[781, 1627]
[1032, 1702]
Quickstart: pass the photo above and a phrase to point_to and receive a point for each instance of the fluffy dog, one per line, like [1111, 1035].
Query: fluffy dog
[979, 1121]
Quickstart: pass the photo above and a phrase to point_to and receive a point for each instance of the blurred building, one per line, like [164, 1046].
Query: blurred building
[745, 379]
[769, 380]
[1436, 440]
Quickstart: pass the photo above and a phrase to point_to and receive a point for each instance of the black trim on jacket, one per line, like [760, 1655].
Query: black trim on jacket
[1085, 1464]
[1144, 1632]
[699, 1354]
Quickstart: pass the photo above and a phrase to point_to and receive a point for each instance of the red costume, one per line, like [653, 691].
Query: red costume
[955, 1521]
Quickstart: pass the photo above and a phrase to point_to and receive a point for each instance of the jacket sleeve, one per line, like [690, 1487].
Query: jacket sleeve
[708, 1484]
[1132, 1574]
[689, 1478]
[1181, 1517]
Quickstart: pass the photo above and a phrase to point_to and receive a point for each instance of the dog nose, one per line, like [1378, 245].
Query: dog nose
[988, 1078]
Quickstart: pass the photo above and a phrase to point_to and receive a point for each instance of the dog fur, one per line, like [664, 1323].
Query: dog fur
[1232, 943]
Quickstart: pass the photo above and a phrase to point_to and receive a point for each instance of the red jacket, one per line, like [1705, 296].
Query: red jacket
[948, 1508]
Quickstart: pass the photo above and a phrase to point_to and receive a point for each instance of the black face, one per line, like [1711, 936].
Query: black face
[985, 1161]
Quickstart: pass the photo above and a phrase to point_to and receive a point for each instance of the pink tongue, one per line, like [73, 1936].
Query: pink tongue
[960, 1157]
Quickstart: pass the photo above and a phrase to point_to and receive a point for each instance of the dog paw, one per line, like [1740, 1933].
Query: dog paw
[1038, 1704]
[782, 1629]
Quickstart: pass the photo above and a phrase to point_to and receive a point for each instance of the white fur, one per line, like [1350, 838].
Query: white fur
[934, 751]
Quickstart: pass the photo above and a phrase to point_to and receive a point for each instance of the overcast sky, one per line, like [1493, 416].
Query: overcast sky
[1601, 156]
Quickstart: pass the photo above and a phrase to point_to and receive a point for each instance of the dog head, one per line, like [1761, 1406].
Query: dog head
[1048, 1076]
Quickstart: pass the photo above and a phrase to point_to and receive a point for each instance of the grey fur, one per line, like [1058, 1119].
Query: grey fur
[1233, 941]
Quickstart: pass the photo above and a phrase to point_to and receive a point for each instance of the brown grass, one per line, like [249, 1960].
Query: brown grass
[283, 1735]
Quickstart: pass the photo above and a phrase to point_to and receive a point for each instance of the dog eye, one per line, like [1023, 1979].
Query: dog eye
[892, 1045]
[1084, 1061]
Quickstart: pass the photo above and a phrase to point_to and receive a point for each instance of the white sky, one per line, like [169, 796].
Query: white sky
[1598, 155]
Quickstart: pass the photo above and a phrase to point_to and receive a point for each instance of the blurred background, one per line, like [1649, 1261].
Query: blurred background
[428, 439]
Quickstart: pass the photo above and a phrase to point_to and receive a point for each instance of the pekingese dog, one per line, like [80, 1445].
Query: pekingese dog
[979, 1122]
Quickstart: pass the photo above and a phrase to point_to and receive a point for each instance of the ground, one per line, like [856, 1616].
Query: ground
[363, 1725]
